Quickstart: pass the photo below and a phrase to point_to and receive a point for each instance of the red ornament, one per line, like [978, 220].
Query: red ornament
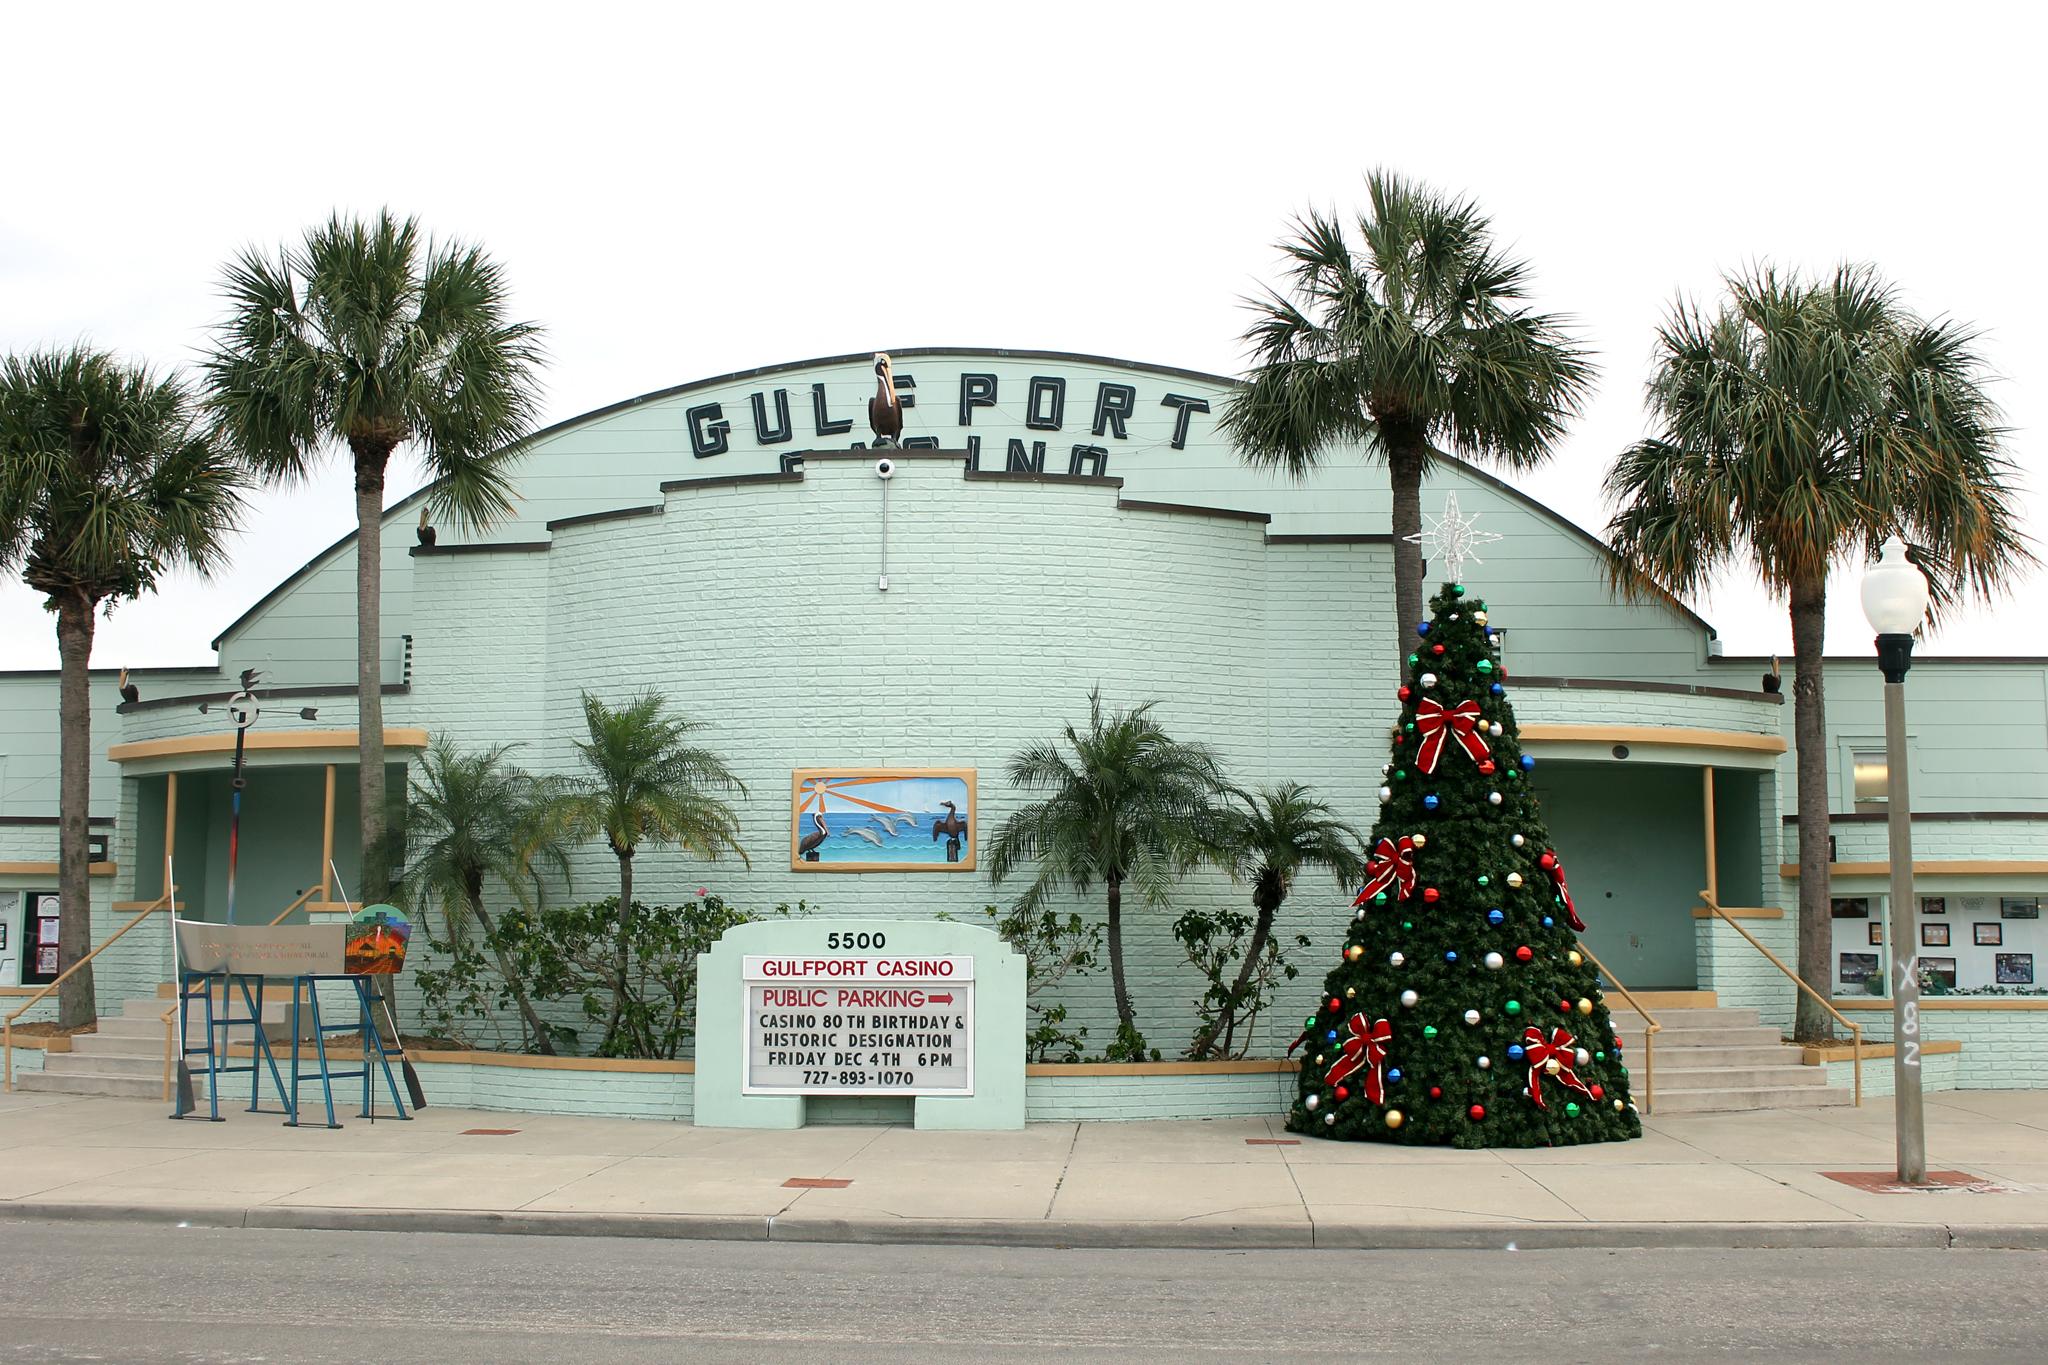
[1617, 1044]
[1404, 693]
[1436, 1092]
[1436, 649]
[1599, 1093]
[1343, 1092]
[1547, 861]
[1336, 1005]
[1524, 953]
[1476, 1112]
[1486, 767]
[1431, 895]
[1564, 1007]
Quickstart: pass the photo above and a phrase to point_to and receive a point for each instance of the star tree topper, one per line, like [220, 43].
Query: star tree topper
[1451, 538]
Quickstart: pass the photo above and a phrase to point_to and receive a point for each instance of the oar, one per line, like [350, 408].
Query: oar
[412, 1077]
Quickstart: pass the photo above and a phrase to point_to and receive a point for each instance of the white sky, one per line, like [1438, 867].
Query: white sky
[676, 195]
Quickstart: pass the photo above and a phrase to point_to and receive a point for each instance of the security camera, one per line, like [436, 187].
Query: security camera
[885, 469]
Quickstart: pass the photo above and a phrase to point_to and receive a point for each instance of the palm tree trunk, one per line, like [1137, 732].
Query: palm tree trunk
[1812, 1024]
[1405, 459]
[541, 1039]
[75, 1003]
[370, 461]
[1117, 984]
[1225, 1022]
[621, 952]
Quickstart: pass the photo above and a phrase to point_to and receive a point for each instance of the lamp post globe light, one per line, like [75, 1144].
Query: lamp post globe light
[1895, 602]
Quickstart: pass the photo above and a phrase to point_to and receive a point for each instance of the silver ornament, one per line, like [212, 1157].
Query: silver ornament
[1486, 1063]
[1493, 798]
[1471, 1016]
[1495, 961]
[1408, 998]
[1395, 959]
[1518, 841]
[1312, 1102]
[1429, 680]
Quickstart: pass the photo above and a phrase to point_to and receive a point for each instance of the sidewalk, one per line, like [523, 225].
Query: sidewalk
[1713, 1180]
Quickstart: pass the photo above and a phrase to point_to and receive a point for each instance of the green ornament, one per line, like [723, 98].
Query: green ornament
[1400, 774]
[1409, 727]
[1486, 665]
[1429, 1030]
[1483, 879]
[1309, 1022]
[1599, 1056]
[1407, 924]
[1379, 898]
[1571, 1110]
[1514, 1007]
[1414, 659]
[1457, 589]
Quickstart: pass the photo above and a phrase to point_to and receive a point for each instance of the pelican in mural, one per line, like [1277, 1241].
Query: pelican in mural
[885, 409]
[808, 849]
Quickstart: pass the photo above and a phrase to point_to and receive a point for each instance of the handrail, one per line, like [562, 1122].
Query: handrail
[304, 896]
[7, 1027]
[1856, 1030]
[1651, 1028]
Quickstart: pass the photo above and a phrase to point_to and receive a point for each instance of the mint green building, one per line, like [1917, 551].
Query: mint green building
[1056, 522]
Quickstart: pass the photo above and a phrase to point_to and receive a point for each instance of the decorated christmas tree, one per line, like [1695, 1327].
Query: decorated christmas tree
[1462, 1011]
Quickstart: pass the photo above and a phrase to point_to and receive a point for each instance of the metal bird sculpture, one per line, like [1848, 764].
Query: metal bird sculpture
[129, 691]
[427, 535]
[1772, 682]
[885, 409]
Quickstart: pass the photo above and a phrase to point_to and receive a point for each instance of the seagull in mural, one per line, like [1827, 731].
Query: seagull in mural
[808, 849]
[885, 409]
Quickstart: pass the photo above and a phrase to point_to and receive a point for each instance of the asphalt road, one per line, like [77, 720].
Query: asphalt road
[119, 1292]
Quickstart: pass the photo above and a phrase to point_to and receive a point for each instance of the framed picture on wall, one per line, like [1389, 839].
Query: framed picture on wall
[1858, 968]
[1850, 907]
[1988, 935]
[2015, 969]
[1942, 970]
[46, 963]
[2019, 907]
[1876, 933]
[1934, 905]
[882, 820]
[1934, 936]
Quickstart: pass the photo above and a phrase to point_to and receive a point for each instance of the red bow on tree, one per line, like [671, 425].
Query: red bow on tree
[1366, 1049]
[1434, 720]
[1563, 1049]
[1555, 868]
[1389, 864]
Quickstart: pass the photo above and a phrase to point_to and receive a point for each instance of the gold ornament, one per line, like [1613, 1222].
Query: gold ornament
[1351, 992]
[1354, 952]
[1574, 958]
[1393, 1118]
[1514, 879]
[1553, 1066]
[1585, 1005]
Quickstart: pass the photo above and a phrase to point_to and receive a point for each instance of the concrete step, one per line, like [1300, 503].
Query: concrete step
[129, 1026]
[1674, 1020]
[110, 1064]
[1728, 1101]
[117, 1044]
[1747, 1054]
[92, 1083]
[1667, 1039]
[1688, 1077]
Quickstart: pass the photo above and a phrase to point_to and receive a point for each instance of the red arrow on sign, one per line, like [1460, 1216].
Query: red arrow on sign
[940, 999]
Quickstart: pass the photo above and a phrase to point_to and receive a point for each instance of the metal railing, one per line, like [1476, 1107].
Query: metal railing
[1651, 1028]
[1855, 1030]
[162, 902]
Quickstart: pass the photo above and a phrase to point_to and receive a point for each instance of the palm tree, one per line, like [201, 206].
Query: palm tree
[1800, 424]
[1413, 340]
[1124, 802]
[1266, 839]
[106, 482]
[474, 820]
[371, 337]
[644, 783]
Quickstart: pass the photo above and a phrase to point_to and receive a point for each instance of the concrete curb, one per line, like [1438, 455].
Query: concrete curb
[1096, 1235]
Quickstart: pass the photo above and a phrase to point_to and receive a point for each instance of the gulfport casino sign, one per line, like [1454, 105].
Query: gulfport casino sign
[868, 1024]
[1045, 416]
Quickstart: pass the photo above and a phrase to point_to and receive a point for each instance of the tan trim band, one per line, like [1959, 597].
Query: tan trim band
[276, 741]
[1958, 867]
[1672, 735]
[1819, 1054]
[50, 870]
[1740, 912]
[1264, 1067]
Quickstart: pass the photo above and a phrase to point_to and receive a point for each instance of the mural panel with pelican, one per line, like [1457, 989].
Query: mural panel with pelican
[882, 820]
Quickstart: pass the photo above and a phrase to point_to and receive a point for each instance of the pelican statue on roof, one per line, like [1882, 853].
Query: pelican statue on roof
[885, 409]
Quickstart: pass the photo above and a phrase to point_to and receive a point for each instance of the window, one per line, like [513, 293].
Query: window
[1872, 773]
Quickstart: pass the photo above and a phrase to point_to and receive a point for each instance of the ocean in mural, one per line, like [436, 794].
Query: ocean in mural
[888, 818]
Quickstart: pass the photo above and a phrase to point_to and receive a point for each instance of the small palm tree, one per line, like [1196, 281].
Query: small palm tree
[1414, 339]
[475, 821]
[644, 783]
[371, 337]
[1799, 425]
[1266, 838]
[106, 482]
[1123, 803]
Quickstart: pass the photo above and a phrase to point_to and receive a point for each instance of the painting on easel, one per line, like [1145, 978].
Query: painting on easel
[882, 820]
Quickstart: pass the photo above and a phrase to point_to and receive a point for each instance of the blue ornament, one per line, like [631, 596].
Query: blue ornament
[1527, 763]
[1450, 957]
[1514, 1052]
[1497, 690]
[1422, 629]
[1393, 1075]
[1430, 802]
[1332, 1035]
[1495, 918]
[1546, 921]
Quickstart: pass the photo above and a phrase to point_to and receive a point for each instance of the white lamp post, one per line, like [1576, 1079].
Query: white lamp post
[1895, 602]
